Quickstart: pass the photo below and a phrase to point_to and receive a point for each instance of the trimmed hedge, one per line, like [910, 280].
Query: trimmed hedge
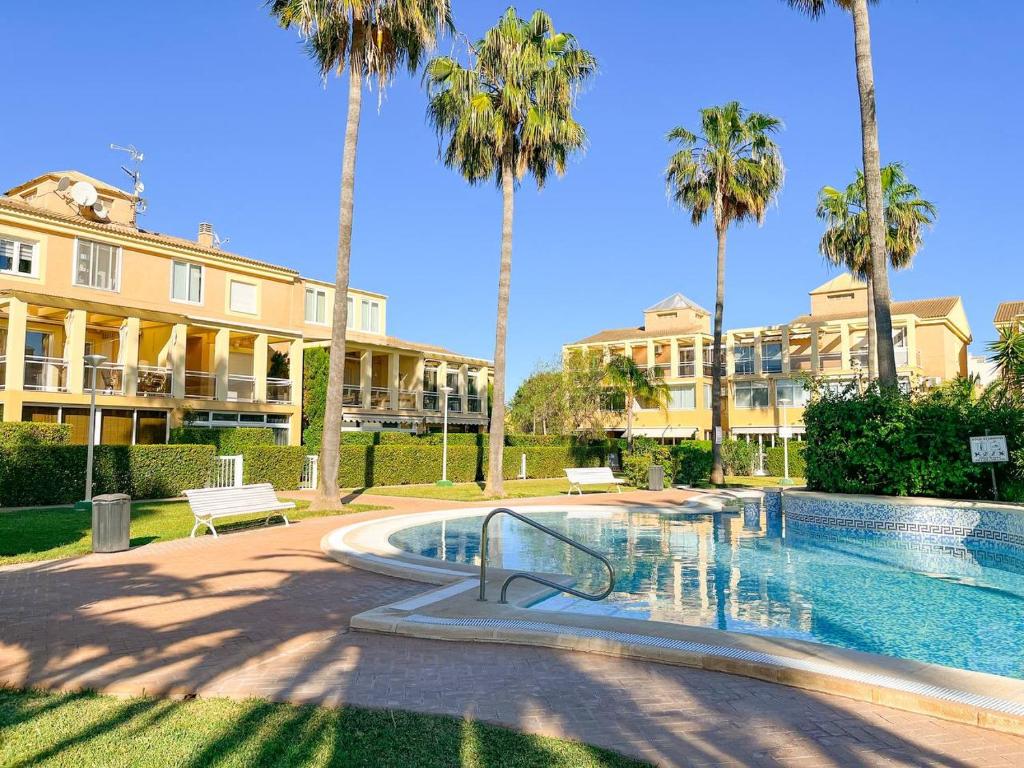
[365, 466]
[279, 465]
[546, 461]
[539, 440]
[774, 460]
[43, 475]
[693, 461]
[33, 433]
[229, 441]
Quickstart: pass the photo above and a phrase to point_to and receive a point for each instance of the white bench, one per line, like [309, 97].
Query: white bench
[591, 476]
[209, 504]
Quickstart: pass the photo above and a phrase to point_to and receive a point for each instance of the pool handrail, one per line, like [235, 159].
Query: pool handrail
[533, 577]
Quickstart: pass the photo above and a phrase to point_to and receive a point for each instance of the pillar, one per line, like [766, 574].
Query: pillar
[260, 363]
[627, 350]
[176, 359]
[757, 353]
[74, 350]
[650, 352]
[130, 355]
[442, 381]
[295, 370]
[482, 379]
[464, 387]
[221, 361]
[393, 380]
[730, 359]
[698, 358]
[366, 376]
[912, 343]
[418, 384]
[786, 365]
[815, 360]
[17, 327]
[844, 345]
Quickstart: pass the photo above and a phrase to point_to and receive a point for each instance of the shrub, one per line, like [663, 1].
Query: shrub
[229, 441]
[528, 440]
[547, 461]
[457, 438]
[33, 433]
[636, 466]
[738, 457]
[316, 363]
[352, 438]
[364, 466]
[775, 464]
[142, 471]
[397, 438]
[692, 461]
[279, 465]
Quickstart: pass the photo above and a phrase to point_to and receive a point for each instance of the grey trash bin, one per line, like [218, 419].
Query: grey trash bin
[111, 522]
[656, 478]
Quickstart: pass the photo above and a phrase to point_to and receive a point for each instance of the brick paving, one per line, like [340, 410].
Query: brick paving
[264, 613]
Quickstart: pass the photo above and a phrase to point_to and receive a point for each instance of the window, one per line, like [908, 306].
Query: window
[751, 394]
[370, 316]
[187, 282]
[350, 318]
[707, 396]
[744, 357]
[242, 297]
[791, 392]
[150, 427]
[98, 265]
[771, 357]
[316, 306]
[17, 257]
[682, 398]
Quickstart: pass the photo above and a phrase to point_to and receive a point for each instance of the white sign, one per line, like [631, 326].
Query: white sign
[786, 433]
[989, 449]
[718, 435]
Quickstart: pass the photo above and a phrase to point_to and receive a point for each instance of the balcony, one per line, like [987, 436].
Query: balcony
[454, 403]
[431, 401]
[242, 389]
[200, 385]
[46, 374]
[279, 391]
[659, 371]
[800, 363]
[474, 404]
[109, 379]
[687, 370]
[830, 361]
[407, 400]
[352, 396]
[380, 398]
[154, 381]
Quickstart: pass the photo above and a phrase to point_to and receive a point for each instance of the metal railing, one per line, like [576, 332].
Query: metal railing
[830, 360]
[473, 404]
[242, 388]
[279, 391]
[154, 381]
[310, 477]
[352, 394]
[431, 401]
[532, 577]
[659, 370]
[407, 399]
[800, 362]
[109, 379]
[46, 374]
[380, 398]
[687, 369]
[200, 385]
[454, 403]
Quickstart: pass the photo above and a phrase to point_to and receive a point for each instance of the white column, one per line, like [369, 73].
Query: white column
[130, 355]
[464, 386]
[786, 364]
[674, 356]
[295, 373]
[815, 359]
[757, 353]
[221, 361]
[260, 361]
[17, 328]
[730, 357]
[844, 345]
[74, 350]
[176, 359]
[366, 376]
[393, 379]
[418, 384]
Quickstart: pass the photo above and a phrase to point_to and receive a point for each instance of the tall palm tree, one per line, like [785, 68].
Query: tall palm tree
[847, 239]
[858, 10]
[372, 39]
[732, 169]
[637, 385]
[507, 113]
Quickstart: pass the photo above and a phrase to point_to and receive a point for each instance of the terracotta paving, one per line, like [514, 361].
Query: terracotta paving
[264, 613]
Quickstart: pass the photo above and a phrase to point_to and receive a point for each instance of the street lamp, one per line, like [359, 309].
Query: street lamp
[444, 481]
[785, 431]
[93, 362]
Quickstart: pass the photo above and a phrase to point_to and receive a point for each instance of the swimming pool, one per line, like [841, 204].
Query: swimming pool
[956, 606]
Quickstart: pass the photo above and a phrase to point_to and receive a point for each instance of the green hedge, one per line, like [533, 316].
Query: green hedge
[279, 465]
[738, 457]
[774, 460]
[539, 440]
[547, 461]
[229, 441]
[636, 466]
[44, 475]
[33, 433]
[692, 461]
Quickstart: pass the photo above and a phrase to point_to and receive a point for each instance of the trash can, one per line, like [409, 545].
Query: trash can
[656, 477]
[111, 522]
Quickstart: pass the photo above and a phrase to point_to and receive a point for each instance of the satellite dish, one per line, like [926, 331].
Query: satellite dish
[63, 184]
[99, 210]
[84, 194]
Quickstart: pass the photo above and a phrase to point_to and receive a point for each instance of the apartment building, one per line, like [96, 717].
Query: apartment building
[190, 332]
[768, 368]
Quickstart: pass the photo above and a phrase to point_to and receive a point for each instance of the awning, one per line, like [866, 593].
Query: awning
[764, 430]
[660, 432]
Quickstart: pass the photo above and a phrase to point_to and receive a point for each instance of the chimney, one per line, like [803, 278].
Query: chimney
[205, 238]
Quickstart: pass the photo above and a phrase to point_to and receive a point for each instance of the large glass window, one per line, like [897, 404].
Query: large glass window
[97, 265]
[187, 282]
[78, 419]
[707, 396]
[771, 357]
[370, 316]
[17, 257]
[242, 297]
[791, 392]
[151, 428]
[682, 398]
[116, 427]
[350, 318]
[751, 394]
[744, 357]
[316, 306]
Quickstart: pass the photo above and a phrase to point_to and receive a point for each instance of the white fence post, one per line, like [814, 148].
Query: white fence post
[310, 472]
[228, 472]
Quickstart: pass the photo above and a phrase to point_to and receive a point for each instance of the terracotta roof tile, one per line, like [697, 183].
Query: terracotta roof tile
[1008, 311]
[622, 334]
[923, 308]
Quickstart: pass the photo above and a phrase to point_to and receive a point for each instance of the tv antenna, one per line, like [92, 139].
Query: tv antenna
[219, 242]
[135, 174]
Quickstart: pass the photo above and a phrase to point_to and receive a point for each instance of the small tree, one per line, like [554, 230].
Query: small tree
[538, 406]
[637, 386]
[583, 387]
[1007, 352]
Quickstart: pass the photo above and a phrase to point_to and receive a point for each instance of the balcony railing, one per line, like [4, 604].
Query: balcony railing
[431, 401]
[473, 404]
[352, 395]
[407, 399]
[154, 381]
[109, 379]
[46, 374]
[800, 363]
[380, 398]
[3, 372]
[200, 385]
[242, 389]
[279, 391]
[687, 370]
[828, 361]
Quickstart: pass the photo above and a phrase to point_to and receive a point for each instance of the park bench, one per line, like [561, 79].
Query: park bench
[209, 504]
[591, 476]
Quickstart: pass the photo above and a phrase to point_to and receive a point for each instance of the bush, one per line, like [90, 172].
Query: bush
[547, 461]
[775, 464]
[738, 457]
[889, 443]
[142, 471]
[316, 363]
[397, 438]
[457, 438]
[33, 433]
[540, 440]
[279, 465]
[229, 441]
[364, 466]
[636, 466]
[692, 461]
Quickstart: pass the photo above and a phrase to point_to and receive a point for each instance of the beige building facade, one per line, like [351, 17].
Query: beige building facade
[190, 332]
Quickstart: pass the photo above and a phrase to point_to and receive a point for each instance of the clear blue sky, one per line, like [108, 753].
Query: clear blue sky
[238, 130]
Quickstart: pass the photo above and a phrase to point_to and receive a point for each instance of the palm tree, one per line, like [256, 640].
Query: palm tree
[1007, 352]
[847, 239]
[506, 114]
[372, 39]
[858, 9]
[732, 169]
[637, 385]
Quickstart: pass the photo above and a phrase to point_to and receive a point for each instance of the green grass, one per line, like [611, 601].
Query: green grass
[514, 489]
[735, 481]
[43, 534]
[85, 729]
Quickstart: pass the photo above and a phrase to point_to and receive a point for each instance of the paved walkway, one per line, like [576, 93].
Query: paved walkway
[264, 613]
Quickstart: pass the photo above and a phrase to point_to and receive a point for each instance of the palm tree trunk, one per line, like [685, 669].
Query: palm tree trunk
[872, 334]
[495, 483]
[330, 448]
[717, 469]
[629, 423]
[873, 184]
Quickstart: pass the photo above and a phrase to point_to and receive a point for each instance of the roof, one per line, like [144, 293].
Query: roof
[76, 176]
[843, 282]
[1008, 311]
[676, 301]
[623, 334]
[397, 343]
[923, 308]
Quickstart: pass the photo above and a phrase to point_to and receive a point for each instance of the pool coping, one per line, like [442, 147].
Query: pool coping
[451, 611]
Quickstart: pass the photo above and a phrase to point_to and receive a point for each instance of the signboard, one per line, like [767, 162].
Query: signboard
[718, 435]
[786, 433]
[989, 449]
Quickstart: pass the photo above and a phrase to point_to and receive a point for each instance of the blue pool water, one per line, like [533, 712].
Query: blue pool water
[943, 605]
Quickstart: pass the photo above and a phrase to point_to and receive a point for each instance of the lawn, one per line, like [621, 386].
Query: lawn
[42, 534]
[514, 489]
[85, 729]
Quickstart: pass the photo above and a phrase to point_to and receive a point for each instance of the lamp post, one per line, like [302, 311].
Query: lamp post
[93, 362]
[444, 481]
[785, 430]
